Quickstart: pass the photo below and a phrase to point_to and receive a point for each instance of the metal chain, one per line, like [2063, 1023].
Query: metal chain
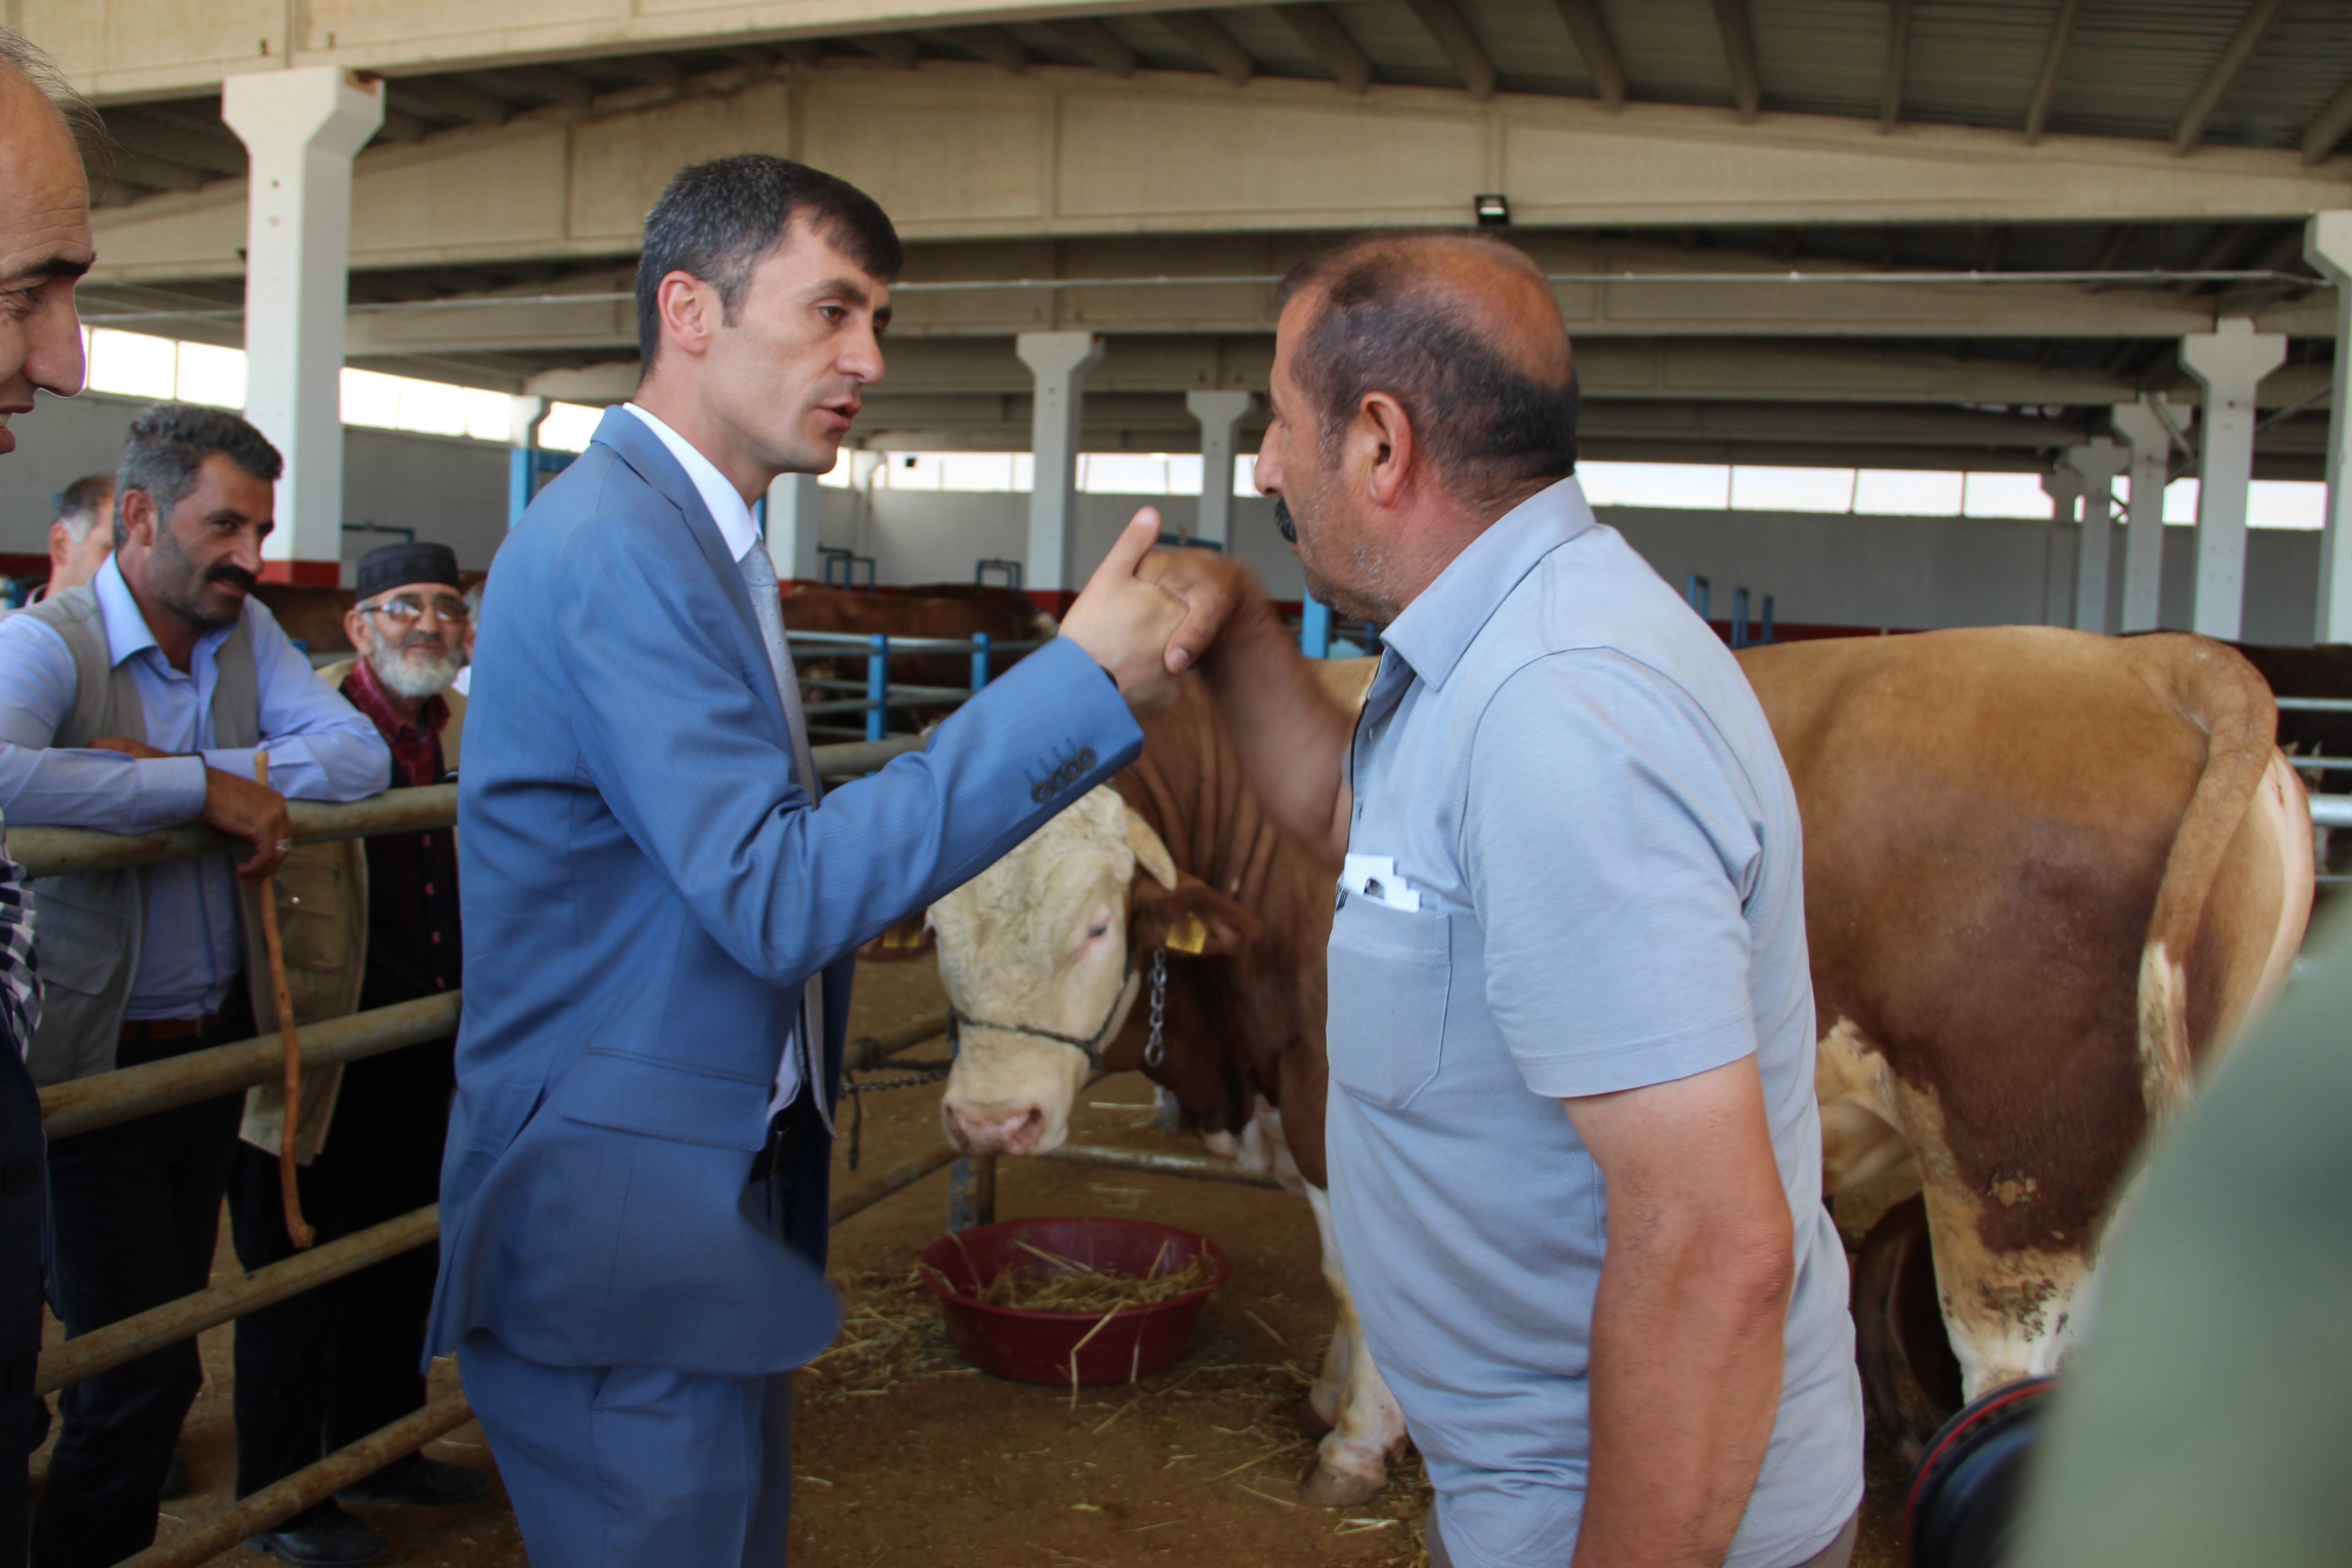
[1156, 1051]
[931, 1073]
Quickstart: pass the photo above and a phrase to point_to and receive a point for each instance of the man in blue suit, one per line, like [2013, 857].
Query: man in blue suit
[661, 912]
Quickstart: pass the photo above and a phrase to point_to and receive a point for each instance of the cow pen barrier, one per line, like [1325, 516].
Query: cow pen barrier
[2326, 810]
[880, 696]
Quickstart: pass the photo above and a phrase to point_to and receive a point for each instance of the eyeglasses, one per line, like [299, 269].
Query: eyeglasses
[405, 611]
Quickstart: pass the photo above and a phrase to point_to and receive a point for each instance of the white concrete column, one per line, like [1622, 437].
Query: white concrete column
[1221, 414]
[2229, 361]
[2064, 485]
[2142, 426]
[2328, 246]
[301, 129]
[1059, 361]
[792, 502]
[2097, 462]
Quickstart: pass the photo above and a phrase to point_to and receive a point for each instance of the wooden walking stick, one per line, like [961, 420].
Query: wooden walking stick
[288, 1124]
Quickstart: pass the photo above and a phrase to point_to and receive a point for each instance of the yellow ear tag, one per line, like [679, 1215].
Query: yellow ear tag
[1189, 936]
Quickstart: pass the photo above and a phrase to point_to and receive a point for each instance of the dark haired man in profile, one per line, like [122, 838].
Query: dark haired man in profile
[662, 907]
[1571, 881]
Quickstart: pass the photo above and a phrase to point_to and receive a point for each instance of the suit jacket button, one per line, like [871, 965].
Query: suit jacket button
[1085, 760]
[1039, 792]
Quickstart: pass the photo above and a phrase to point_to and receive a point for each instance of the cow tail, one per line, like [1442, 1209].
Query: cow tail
[2217, 690]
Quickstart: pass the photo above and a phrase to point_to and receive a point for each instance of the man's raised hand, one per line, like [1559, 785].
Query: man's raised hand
[1126, 622]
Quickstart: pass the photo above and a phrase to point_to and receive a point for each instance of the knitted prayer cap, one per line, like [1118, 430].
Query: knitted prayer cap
[397, 565]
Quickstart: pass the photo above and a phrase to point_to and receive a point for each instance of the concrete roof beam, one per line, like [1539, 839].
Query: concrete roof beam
[1590, 35]
[1207, 37]
[1329, 42]
[1460, 45]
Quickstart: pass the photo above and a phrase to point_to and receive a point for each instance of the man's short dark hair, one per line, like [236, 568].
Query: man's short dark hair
[84, 503]
[715, 221]
[170, 442]
[1489, 427]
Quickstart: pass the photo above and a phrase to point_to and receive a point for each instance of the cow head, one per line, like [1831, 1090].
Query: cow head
[1042, 945]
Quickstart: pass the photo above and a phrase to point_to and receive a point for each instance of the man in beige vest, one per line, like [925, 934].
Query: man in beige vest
[328, 1367]
[133, 702]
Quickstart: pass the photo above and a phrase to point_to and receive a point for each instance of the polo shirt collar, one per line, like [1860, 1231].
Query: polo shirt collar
[1437, 629]
[721, 499]
[127, 631]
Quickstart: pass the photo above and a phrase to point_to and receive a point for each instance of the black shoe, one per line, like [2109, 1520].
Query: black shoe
[426, 1483]
[175, 1477]
[326, 1537]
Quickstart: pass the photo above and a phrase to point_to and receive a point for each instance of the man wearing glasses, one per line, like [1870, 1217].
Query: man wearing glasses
[327, 1368]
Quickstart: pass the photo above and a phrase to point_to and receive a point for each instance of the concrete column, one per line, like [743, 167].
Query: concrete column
[2144, 425]
[301, 129]
[2064, 485]
[1059, 360]
[2328, 246]
[793, 501]
[2097, 463]
[2229, 361]
[1221, 414]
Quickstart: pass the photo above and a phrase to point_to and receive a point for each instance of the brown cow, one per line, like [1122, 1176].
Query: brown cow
[2046, 875]
[957, 610]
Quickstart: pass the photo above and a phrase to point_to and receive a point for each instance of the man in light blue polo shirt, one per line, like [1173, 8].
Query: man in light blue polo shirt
[1571, 877]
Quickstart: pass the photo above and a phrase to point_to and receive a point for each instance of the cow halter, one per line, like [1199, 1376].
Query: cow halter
[1154, 1052]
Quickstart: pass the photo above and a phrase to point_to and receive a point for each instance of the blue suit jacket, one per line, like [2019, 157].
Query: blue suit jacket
[644, 889]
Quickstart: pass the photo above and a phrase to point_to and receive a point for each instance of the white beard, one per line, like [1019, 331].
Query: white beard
[413, 675]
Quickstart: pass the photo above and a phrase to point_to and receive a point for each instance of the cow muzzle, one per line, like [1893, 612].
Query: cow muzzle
[995, 1130]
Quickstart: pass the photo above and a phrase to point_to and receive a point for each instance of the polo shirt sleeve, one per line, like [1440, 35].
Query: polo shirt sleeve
[1608, 850]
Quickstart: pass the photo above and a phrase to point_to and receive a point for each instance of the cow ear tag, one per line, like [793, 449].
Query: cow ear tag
[1189, 936]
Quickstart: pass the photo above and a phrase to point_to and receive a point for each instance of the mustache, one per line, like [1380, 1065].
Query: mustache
[236, 577]
[1283, 521]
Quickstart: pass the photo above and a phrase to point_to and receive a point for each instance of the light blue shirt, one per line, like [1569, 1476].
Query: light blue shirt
[319, 746]
[1575, 867]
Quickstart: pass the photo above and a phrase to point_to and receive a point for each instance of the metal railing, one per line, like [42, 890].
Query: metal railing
[880, 696]
[2326, 810]
[106, 1099]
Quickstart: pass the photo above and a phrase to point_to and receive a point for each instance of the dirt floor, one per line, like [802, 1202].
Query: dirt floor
[906, 1457]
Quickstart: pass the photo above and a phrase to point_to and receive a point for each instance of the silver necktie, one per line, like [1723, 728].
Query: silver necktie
[759, 578]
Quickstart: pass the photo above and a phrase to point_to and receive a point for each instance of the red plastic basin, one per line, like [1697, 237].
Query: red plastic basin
[1036, 1347]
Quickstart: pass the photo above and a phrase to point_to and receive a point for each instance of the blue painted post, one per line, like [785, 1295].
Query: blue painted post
[1315, 630]
[878, 684]
[523, 463]
[980, 647]
[1698, 592]
[1739, 617]
[1767, 636]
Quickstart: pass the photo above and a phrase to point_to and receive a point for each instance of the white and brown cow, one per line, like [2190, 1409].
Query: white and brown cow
[2047, 875]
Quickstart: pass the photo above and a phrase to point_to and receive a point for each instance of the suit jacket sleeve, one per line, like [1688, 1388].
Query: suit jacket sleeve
[690, 756]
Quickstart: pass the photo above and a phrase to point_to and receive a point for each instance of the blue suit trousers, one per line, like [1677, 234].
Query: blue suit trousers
[636, 1466]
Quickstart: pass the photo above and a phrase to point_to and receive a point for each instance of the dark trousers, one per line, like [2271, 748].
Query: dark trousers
[135, 1211]
[327, 1367]
[22, 1195]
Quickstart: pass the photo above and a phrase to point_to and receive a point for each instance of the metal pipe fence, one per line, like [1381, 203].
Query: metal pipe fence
[880, 696]
[105, 1098]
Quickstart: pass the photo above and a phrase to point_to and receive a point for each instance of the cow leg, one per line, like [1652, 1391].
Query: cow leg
[1367, 1426]
[2010, 1314]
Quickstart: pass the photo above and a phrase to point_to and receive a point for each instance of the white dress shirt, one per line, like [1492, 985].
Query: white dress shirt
[728, 509]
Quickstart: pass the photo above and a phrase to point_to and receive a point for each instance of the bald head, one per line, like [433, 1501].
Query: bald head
[1462, 331]
[45, 242]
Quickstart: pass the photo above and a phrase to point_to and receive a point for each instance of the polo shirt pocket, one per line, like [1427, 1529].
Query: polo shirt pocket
[1389, 971]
